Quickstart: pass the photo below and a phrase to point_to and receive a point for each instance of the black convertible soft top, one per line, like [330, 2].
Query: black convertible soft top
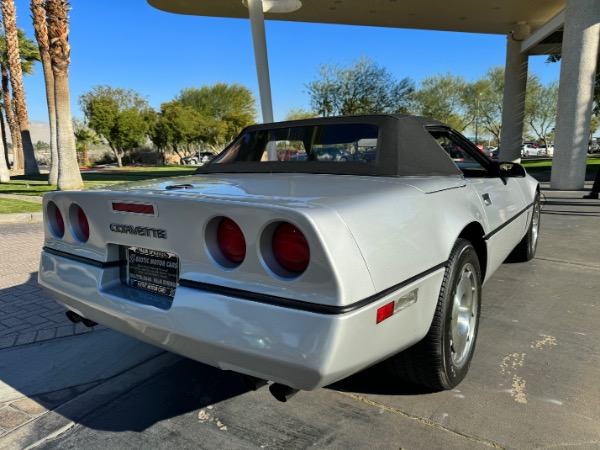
[404, 148]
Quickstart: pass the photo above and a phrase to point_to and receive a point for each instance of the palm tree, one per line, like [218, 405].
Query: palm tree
[9, 15]
[13, 125]
[4, 173]
[29, 55]
[84, 136]
[4, 140]
[69, 176]
[38, 14]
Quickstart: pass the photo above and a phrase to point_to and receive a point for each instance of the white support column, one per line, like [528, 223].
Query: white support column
[581, 38]
[515, 85]
[259, 40]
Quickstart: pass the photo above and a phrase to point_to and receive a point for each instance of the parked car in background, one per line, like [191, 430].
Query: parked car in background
[199, 158]
[301, 272]
[488, 149]
[594, 147]
[547, 150]
[532, 149]
[331, 154]
[286, 154]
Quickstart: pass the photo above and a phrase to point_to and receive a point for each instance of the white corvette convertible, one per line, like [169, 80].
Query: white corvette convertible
[287, 264]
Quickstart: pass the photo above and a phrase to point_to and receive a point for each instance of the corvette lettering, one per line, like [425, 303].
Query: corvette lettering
[139, 231]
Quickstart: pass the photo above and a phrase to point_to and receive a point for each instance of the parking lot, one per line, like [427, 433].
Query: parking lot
[532, 384]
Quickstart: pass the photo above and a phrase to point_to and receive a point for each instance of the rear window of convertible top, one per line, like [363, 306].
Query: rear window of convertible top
[331, 143]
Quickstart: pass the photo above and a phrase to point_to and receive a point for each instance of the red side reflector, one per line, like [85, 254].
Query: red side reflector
[384, 312]
[136, 208]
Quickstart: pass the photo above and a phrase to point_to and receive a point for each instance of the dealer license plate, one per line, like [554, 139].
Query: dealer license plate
[152, 270]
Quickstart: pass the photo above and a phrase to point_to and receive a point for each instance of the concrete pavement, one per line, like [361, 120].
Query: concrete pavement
[45, 360]
[532, 383]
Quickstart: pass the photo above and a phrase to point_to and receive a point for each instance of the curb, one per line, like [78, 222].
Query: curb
[66, 416]
[21, 217]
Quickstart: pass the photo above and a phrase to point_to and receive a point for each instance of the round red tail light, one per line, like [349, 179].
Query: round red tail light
[290, 248]
[84, 226]
[230, 240]
[55, 219]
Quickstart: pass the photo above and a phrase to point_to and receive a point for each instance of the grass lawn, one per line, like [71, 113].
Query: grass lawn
[8, 206]
[38, 185]
[546, 164]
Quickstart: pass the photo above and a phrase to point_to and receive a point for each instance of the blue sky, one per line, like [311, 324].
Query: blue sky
[129, 44]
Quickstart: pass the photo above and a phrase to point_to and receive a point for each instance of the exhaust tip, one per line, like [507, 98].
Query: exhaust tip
[88, 323]
[76, 318]
[73, 316]
[253, 383]
[282, 392]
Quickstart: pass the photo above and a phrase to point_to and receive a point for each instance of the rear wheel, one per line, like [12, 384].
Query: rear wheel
[525, 250]
[442, 358]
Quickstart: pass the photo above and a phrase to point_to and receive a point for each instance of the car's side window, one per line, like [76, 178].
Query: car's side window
[469, 165]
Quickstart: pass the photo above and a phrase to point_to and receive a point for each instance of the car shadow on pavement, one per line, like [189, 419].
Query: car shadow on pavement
[379, 380]
[555, 202]
[183, 389]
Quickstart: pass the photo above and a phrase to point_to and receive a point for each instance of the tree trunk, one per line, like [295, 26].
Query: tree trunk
[15, 133]
[41, 33]
[119, 157]
[86, 155]
[69, 176]
[4, 173]
[4, 140]
[16, 79]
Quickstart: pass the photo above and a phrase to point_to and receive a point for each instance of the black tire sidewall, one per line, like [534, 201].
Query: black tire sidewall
[532, 246]
[463, 253]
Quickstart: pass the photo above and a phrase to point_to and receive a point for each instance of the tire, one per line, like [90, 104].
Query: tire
[442, 358]
[525, 250]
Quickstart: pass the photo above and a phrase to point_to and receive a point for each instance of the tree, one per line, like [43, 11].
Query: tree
[441, 97]
[4, 140]
[119, 116]
[11, 120]
[541, 106]
[84, 137]
[29, 55]
[363, 87]
[483, 101]
[9, 15]
[38, 14]
[299, 113]
[69, 176]
[182, 126]
[226, 109]
[4, 172]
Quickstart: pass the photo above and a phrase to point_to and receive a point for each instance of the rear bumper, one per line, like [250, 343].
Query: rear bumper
[301, 349]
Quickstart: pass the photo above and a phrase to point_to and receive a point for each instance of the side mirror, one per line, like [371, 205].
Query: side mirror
[509, 169]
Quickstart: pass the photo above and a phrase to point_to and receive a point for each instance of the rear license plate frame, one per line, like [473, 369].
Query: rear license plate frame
[153, 271]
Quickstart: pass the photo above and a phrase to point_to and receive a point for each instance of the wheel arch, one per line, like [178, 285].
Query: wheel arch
[474, 233]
